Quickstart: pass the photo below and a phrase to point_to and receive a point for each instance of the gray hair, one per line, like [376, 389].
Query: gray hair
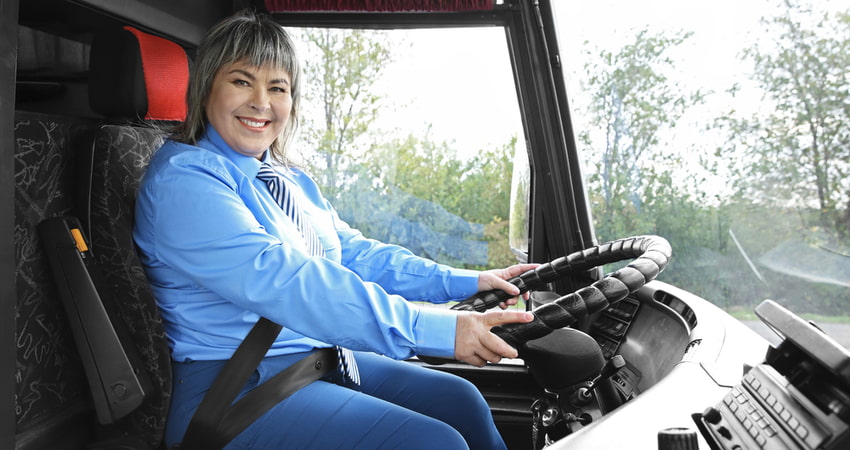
[253, 38]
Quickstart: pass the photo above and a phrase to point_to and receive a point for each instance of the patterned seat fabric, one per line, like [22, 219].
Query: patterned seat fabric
[120, 154]
[48, 383]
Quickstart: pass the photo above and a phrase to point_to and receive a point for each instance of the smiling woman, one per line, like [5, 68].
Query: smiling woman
[250, 106]
[243, 67]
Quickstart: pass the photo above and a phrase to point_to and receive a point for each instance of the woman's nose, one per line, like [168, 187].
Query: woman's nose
[259, 100]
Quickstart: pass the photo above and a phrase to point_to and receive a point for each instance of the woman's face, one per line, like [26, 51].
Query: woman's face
[249, 106]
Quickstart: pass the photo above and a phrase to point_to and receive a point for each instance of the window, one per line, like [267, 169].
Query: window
[691, 127]
[412, 135]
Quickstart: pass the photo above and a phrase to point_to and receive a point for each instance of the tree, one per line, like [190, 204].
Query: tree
[642, 184]
[339, 72]
[633, 101]
[803, 131]
[476, 189]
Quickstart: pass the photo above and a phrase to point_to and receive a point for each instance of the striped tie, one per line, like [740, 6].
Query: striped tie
[281, 195]
[277, 187]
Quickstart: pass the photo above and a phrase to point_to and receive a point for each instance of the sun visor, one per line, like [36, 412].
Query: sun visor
[380, 5]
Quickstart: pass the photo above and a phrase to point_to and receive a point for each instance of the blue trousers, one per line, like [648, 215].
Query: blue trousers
[396, 405]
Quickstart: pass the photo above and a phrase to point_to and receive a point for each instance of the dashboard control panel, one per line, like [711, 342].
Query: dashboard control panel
[613, 323]
[798, 398]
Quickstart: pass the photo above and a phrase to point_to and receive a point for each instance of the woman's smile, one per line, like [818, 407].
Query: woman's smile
[252, 123]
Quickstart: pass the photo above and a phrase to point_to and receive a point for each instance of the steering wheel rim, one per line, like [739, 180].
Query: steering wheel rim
[651, 255]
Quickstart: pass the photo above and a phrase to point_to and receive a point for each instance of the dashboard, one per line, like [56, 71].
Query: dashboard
[692, 368]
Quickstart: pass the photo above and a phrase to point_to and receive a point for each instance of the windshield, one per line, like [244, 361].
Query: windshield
[730, 141]
[412, 136]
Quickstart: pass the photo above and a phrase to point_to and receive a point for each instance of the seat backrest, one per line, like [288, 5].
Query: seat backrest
[139, 81]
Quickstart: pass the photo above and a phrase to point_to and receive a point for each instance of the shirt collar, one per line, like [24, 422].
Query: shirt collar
[249, 165]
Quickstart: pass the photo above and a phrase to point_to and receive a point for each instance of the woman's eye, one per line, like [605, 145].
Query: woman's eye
[279, 90]
[240, 82]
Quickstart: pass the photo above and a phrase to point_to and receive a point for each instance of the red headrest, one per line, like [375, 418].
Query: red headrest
[138, 76]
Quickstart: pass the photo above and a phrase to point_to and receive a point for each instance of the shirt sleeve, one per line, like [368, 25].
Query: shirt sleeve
[202, 222]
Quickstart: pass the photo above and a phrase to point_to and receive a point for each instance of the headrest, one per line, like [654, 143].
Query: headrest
[135, 75]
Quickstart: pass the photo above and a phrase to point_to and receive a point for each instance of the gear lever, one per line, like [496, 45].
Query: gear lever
[605, 394]
[563, 358]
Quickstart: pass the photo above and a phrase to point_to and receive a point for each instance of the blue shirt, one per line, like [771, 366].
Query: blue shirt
[219, 253]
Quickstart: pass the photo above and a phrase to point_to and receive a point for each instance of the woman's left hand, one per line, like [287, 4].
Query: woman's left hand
[496, 279]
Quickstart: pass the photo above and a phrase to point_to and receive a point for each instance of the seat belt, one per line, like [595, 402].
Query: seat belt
[108, 357]
[218, 420]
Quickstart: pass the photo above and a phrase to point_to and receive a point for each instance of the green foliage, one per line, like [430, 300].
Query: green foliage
[632, 188]
[797, 150]
[340, 70]
[633, 103]
[476, 189]
[789, 161]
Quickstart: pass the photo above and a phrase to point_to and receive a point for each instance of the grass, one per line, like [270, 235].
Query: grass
[745, 315]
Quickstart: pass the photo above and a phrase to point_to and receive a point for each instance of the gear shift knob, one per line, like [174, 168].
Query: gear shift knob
[563, 358]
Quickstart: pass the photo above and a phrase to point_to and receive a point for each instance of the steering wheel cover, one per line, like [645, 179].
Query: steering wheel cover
[651, 253]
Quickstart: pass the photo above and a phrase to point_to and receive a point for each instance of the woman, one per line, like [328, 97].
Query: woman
[220, 252]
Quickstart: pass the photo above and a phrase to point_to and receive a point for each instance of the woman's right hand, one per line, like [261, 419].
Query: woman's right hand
[476, 345]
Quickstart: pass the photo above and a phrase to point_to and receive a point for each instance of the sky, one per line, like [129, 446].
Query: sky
[709, 60]
[476, 71]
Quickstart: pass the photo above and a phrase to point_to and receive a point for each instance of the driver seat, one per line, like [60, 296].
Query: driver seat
[139, 82]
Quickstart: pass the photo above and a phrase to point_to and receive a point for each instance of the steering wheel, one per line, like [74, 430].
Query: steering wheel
[651, 255]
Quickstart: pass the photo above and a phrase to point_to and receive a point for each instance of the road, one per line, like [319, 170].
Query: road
[840, 332]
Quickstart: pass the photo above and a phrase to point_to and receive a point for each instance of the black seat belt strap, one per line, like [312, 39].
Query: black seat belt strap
[265, 396]
[218, 420]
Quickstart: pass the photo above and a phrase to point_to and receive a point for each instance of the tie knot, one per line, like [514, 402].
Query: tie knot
[266, 172]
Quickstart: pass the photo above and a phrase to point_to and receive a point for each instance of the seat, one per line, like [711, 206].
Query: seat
[139, 82]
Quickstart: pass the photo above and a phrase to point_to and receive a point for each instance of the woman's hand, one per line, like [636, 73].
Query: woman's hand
[496, 279]
[476, 345]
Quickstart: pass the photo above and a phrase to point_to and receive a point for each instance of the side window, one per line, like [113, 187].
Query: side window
[729, 141]
[520, 198]
[412, 135]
